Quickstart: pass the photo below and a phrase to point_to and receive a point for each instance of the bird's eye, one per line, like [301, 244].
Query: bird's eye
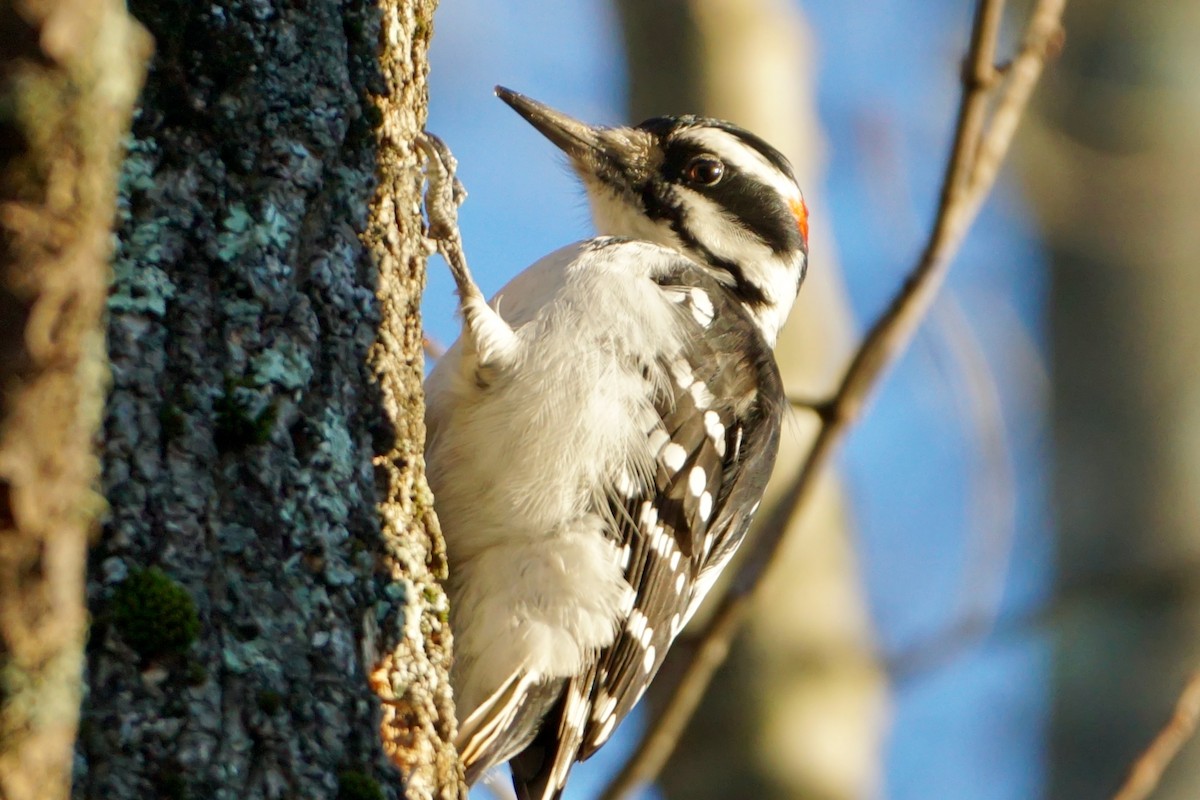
[704, 170]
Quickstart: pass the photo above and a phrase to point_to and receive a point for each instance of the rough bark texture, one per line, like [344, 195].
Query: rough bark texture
[69, 75]
[411, 673]
[1113, 161]
[268, 240]
[798, 709]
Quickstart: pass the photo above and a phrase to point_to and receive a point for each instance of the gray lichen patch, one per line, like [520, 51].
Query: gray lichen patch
[243, 234]
[243, 420]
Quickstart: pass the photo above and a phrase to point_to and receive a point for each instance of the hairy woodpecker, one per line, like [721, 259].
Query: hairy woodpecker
[600, 436]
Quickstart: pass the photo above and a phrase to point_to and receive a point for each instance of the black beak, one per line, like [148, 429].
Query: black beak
[575, 138]
[603, 152]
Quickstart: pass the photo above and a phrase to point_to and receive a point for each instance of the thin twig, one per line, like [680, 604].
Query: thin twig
[979, 146]
[1147, 771]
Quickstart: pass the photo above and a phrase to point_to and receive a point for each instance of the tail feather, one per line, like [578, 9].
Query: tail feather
[505, 723]
[540, 770]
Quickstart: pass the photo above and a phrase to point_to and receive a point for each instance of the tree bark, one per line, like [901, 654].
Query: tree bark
[1113, 162]
[798, 709]
[263, 439]
[69, 76]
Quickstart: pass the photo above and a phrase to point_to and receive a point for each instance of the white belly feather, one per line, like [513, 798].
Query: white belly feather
[544, 448]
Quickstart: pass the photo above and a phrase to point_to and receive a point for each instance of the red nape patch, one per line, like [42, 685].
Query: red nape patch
[800, 212]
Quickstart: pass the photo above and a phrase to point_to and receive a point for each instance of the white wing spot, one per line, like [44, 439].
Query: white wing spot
[577, 709]
[675, 560]
[605, 705]
[625, 484]
[649, 515]
[636, 623]
[702, 307]
[716, 431]
[676, 624]
[657, 438]
[674, 456]
[668, 546]
[605, 731]
[679, 583]
[700, 394]
[579, 715]
[628, 600]
[660, 542]
[647, 635]
[705, 508]
[697, 480]
[648, 661]
[682, 371]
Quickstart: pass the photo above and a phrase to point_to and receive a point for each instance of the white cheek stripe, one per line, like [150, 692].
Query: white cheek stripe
[731, 150]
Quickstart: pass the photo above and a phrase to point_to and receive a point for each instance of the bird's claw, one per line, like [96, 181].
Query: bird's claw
[445, 192]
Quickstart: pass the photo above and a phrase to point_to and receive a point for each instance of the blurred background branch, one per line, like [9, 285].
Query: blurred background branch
[1148, 770]
[1111, 162]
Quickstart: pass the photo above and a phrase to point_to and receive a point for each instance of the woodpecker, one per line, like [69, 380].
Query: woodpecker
[600, 436]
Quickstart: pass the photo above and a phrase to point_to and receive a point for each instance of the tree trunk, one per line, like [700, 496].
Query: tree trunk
[1114, 167]
[270, 542]
[69, 76]
[798, 709]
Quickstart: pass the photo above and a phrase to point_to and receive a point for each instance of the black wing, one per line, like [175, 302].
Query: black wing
[715, 445]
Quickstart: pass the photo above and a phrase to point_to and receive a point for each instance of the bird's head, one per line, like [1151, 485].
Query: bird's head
[714, 191]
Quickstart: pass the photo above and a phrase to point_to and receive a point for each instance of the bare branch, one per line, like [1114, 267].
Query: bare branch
[980, 143]
[1148, 769]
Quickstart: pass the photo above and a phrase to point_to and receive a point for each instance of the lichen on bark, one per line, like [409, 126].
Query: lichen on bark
[254, 447]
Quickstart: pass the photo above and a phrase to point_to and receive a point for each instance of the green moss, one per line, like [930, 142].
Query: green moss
[197, 674]
[423, 26]
[269, 701]
[353, 25]
[154, 614]
[437, 603]
[355, 785]
[236, 425]
[171, 420]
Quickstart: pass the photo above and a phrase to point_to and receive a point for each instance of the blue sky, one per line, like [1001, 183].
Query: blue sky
[971, 728]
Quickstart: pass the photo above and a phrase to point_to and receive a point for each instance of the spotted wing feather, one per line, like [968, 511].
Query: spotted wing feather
[715, 444]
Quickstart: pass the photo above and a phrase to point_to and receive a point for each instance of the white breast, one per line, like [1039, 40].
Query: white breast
[532, 452]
